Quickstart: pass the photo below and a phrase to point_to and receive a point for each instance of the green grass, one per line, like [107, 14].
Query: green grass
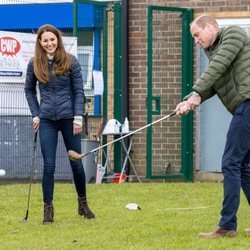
[160, 224]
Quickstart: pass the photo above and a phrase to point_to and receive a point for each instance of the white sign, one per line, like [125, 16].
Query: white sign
[16, 49]
[98, 82]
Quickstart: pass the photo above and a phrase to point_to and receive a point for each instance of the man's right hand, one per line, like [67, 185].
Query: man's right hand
[191, 103]
[182, 108]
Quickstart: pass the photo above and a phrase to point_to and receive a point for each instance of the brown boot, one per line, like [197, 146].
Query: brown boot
[83, 208]
[48, 213]
[217, 233]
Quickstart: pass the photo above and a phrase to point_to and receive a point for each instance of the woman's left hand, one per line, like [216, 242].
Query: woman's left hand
[77, 129]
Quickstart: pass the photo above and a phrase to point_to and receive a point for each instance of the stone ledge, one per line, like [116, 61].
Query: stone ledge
[208, 176]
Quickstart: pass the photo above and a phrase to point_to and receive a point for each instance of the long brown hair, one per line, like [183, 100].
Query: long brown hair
[62, 60]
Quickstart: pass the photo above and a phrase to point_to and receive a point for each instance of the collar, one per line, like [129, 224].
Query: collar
[50, 57]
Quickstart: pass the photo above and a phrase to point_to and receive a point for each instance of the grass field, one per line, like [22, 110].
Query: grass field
[171, 216]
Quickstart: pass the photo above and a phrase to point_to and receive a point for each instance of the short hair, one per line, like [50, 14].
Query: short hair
[201, 21]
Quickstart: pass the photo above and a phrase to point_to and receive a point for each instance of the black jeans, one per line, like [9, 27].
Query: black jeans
[48, 138]
[235, 165]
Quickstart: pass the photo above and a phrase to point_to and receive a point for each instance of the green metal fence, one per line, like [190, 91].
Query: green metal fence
[98, 26]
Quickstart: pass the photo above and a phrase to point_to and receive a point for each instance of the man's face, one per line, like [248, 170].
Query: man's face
[204, 37]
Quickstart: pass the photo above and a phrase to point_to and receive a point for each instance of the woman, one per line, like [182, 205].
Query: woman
[60, 109]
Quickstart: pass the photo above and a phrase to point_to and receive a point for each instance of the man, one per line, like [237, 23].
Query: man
[228, 76]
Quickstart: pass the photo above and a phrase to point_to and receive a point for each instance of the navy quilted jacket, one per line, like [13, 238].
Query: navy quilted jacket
[61, 98]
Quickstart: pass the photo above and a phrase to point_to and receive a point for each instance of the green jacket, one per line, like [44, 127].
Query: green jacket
[228, 72]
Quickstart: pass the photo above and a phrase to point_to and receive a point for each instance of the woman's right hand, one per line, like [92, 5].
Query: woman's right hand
[36, 123]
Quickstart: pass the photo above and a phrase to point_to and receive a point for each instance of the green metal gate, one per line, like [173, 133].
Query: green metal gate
[170, 78]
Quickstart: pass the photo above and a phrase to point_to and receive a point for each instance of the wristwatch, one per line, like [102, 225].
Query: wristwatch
[195, 93]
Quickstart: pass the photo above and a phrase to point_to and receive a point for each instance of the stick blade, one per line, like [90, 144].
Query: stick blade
[74, 156]
[25, 219]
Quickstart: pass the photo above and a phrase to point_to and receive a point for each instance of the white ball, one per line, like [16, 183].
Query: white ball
[2, 172]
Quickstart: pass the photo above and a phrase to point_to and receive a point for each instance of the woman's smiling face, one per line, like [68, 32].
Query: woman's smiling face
[49, 42]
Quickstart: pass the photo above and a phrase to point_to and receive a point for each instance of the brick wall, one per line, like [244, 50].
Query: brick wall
[138, 57]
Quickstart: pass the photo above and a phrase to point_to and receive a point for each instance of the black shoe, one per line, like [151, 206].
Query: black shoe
[83, 208]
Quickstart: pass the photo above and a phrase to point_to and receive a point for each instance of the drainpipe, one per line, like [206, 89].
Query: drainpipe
[125, 99]
[125, 91]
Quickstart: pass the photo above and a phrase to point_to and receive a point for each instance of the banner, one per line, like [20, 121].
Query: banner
[16, 49]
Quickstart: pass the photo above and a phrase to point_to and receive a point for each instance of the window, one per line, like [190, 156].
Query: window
[86, 58]
[242, 22]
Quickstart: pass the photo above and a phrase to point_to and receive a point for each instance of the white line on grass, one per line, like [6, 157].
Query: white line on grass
[181, 208]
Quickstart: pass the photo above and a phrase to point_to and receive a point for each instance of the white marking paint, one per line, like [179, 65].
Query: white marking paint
[181, 208]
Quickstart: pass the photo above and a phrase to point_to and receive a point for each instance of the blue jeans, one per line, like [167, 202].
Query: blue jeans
[235, 165]
[48, 139]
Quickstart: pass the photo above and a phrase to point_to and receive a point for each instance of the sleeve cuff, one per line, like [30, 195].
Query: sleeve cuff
[78, 119]
[36, 119]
